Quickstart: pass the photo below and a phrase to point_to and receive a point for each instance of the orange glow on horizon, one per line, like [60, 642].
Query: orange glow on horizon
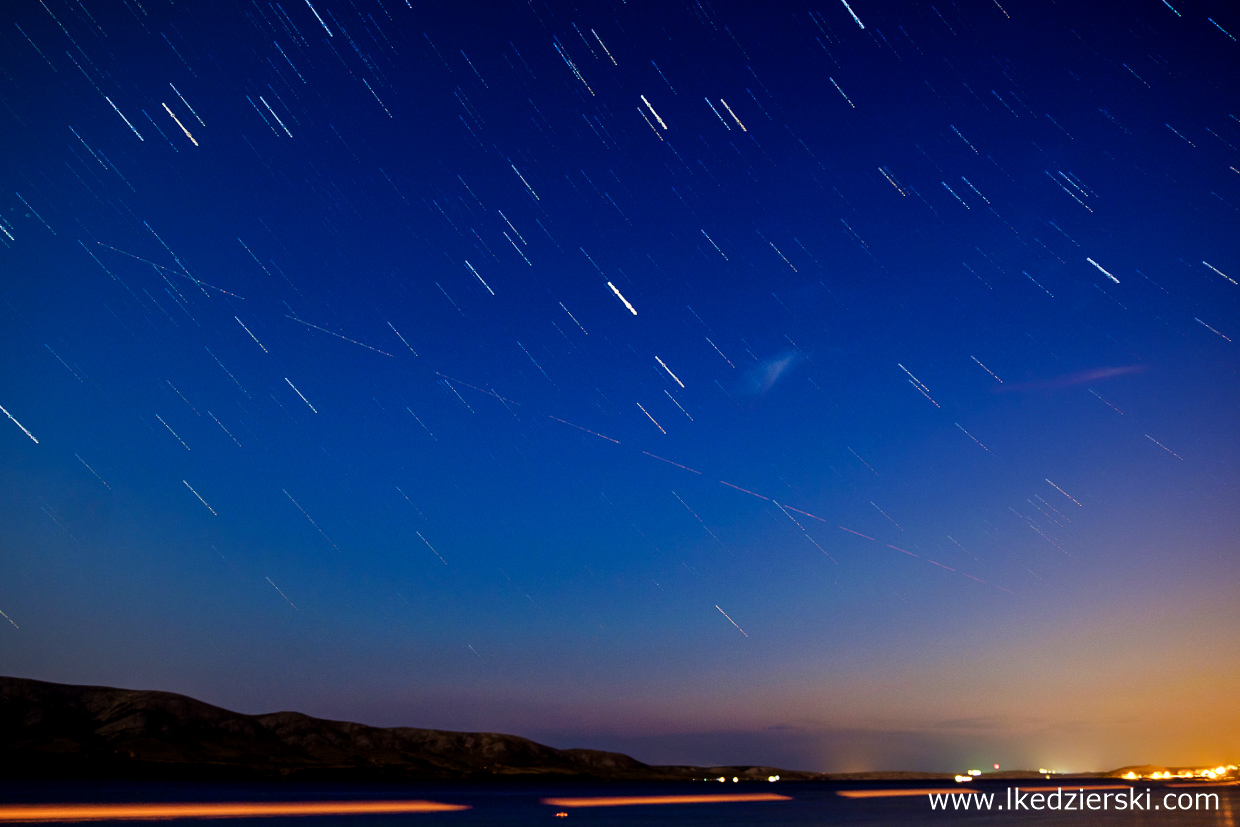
[629, 800]
[213, 809]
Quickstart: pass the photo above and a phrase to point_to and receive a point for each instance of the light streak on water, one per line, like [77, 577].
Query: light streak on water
[214, 809]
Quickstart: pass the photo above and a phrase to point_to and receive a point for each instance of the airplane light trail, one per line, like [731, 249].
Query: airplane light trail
[337, 335]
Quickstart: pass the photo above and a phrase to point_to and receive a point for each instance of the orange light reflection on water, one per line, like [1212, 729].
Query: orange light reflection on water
[902, 792]
[897, 792]
[630, 800]
[213, 809]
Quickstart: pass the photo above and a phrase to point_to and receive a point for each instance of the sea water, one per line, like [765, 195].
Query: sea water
[521, 804]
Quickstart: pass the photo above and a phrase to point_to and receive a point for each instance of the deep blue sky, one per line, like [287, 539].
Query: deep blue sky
[882, 471]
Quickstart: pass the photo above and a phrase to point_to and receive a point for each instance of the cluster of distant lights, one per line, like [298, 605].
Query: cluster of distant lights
[1210, 774]
[971, 774]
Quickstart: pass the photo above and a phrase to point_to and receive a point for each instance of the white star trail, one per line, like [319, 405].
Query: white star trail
[282, 594]
[1220, 272]
[1164, 447]
[574, 318]
[523, 181]
[274, 115]
[663, 365]
[621, 297]
[1211, 329]
[605, 49]
[299, 393]
[402, 339]
[988, 370]
[975, 439]
[225, 430]
[200, 499]
[652, 112]
[252, 336]
[161, 422]
[93, 471]
[311, 519]
[479, 278]
[18, 424]
[717, 115]
[853, 13]
[730, 620]
[651, 418]
[1103, 270]
[49, 226]
[678, 405]
[841, 91]
[733, 114]
[1065, 493]
[187, 106]
[178, 121]
[916, 383]
[123, 118]
[432, 548]
[316, 17]
[720, 352]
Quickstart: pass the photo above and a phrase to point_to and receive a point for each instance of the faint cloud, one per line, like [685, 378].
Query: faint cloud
[1006, 723]
[762, 377]
[1081, 377]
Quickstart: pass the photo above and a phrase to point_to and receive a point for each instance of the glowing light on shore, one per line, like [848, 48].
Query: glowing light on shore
[631, 800]
[215, 809]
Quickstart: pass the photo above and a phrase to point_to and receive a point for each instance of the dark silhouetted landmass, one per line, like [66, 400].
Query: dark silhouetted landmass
[51, 730]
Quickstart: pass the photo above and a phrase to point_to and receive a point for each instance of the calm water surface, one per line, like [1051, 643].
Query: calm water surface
[520, 805]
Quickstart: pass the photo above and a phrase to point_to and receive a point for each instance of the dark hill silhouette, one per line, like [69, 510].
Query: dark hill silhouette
[52, 730]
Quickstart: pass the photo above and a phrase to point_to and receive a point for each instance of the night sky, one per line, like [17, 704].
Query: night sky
[833, 387]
